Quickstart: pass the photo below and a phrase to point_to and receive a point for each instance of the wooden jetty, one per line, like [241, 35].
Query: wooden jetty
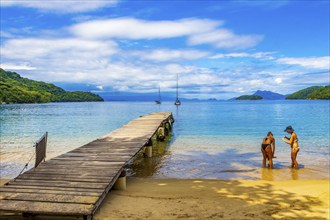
[75, 183]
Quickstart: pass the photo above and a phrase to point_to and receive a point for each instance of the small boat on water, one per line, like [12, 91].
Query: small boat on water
[177, 101]
[158, 101]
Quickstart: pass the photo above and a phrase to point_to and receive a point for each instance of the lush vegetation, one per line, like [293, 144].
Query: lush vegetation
[314, 92]
[323, 93]
[249, 97]
[16, 89]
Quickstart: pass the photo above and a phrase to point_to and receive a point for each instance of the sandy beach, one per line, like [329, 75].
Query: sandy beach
[218, 199]
[147, 198]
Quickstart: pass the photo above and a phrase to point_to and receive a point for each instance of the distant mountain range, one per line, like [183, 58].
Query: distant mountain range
[16, 89]
[268, 95]
[313, 92]
[264, 95]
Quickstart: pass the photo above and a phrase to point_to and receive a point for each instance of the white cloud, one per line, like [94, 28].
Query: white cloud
[60, 60]
[131, 28]
[170, 55]
[278, 80]
[13, 66]
[178, 69]
[258, 55]
[5, 34]
[307, 62]
[33, 48]
[197, 31]
[60, 6]
[100, 87]
[225, 39]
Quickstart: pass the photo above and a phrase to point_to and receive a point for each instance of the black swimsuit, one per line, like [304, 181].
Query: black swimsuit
[264, 146]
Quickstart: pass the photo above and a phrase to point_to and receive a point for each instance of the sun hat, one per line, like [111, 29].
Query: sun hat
[289, 129]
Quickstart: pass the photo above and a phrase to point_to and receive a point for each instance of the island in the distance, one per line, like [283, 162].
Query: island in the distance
[16, 89]
[249, 97]
[313, 92]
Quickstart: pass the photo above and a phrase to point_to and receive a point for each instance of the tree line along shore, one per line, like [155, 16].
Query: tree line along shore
[16, 89]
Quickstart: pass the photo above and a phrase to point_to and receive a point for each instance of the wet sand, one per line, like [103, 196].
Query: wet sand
[147, 198]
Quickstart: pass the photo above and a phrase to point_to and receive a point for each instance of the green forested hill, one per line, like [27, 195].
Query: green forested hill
[313, 92]
[249, 97]
[323, 93]
[16, 89]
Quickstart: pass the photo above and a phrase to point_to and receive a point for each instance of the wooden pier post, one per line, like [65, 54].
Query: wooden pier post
[148, 149]
[120, 183]
[161, 133]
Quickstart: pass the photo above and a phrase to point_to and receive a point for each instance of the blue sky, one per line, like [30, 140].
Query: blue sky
[220, 49]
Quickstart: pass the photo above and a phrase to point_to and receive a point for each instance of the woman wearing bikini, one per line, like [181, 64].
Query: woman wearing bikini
[268, 150]
[293, 141]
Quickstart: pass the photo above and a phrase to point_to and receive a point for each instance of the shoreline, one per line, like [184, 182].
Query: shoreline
[149, 198]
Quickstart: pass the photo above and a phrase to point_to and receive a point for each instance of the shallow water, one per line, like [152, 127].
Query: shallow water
[209, 139]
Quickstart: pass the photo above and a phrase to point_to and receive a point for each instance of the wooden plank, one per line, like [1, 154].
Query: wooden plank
[75, 159]
[80, 179]
[48, 198]
[79, 166]
[51, 175]
[77, 171]
[46, 191]
[73, 163]
[49, 208]
[88, 170]
[118, 143]
[100, 159]
[107, 151]
[93, 150]
[97, 154]
[55, 188]
[68, 184]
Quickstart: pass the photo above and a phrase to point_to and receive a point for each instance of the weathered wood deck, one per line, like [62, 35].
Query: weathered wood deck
[75, 183]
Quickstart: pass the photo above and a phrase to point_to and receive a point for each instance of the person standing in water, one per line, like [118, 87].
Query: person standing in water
[268, 150]
[293, 141]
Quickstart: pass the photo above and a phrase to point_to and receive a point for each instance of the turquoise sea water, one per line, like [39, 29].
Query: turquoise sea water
[210, 139]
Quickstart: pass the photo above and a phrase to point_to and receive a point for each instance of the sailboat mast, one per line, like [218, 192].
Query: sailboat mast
[177, 86]
[159, 93]
[177, 101]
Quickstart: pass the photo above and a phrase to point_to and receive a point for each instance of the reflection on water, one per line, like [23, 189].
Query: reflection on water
[141, 166]
[267, 174]
[288, 173]
[294, 174]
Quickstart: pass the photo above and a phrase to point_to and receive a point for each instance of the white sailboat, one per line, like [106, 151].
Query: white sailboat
[177, 101]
